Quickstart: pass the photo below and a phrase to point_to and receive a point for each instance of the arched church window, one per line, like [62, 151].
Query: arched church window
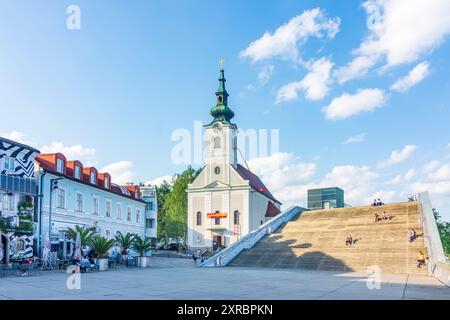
[220, 99]
[217, 170]
[236, 217]
[216, 142]
[199, 218]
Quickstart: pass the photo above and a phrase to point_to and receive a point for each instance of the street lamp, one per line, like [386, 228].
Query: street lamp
[53, 186]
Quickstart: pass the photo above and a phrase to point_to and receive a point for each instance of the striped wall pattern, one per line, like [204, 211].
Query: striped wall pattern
[24, 158]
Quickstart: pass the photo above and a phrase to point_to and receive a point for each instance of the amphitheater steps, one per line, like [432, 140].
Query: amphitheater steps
[316, 240]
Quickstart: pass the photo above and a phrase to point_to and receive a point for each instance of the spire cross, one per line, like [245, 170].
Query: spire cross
[221, 63]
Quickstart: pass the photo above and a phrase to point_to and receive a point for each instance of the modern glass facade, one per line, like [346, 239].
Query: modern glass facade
[325, 198]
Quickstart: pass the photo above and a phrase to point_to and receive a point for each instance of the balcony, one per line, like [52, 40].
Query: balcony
[12, 183]
[22, 223]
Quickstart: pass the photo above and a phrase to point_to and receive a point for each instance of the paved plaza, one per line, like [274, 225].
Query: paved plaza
[179, 279]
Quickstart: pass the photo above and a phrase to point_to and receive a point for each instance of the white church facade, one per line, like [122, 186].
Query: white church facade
[226, 201]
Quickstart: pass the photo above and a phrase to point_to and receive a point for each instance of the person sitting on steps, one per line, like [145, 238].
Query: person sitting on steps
[420, 259]
[412, 235]
[349, 240]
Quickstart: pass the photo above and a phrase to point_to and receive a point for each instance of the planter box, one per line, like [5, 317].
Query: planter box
[143, 262]
[102, 264]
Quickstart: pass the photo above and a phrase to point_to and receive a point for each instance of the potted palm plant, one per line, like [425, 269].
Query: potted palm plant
[142, 246]
[101, 246]
[86, 235]
[125, 242]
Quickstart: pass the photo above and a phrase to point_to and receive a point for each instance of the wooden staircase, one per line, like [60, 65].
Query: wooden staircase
[316, 240]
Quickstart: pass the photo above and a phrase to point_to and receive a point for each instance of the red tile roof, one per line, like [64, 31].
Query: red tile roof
[48, 163]
[255, 182]
[272, 210]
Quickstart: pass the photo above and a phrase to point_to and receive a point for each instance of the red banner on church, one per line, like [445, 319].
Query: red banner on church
[214, 215]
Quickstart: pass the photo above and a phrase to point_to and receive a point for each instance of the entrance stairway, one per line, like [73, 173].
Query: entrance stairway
[316, 240]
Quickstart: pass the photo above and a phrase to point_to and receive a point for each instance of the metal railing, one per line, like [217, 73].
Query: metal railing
[225, 256]
[439, 266]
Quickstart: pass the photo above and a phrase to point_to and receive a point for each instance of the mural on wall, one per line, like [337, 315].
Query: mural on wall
[20, 244]
[23, 159]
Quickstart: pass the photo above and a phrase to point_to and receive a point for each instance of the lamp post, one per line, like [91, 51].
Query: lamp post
[53, 186]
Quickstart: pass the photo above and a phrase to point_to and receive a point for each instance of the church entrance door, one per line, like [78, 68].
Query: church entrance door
[217, 242]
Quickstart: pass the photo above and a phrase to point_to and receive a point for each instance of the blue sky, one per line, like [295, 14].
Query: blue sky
[112, 92]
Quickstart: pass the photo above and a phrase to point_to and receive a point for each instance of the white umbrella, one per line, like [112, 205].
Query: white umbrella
[1, 248]
[46, 252]
[77, 253]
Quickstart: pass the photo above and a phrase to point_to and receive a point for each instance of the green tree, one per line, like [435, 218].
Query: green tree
[175, 205]
[161, 193]
[86, 235]
[444, 231]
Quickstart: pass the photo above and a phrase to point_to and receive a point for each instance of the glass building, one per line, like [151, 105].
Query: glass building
[325, 198]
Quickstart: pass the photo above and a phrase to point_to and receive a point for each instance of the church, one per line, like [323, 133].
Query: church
[226, 201]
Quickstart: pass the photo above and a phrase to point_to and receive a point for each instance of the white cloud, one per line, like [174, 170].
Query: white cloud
[284, 42]
[364, 100]
[355, 139]
[442, 173]
[120, 172]
[315, 83]
[417, 74]
[399, 32]
[396, 180]
[358, 67]
[265, 73]
[410, 174]
[17, 136]
[159, 181]
[75, 152]
[398, 156]
[284, 174]
[430, 166]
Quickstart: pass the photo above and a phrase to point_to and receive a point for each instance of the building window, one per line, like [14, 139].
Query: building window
[138, 216]
[236, 217]
[79, 202]
[61, 198]
[119, 211]
[108, 233]
[8, 202]
[129, 214]
[150, 206]
[93, 177]
[216, 142]
[60, 165]
[106, 182]
[9, 164]
[77, 172]
[199, 218]
[108, 208]
[150, 223]
[217, 170]
[95, 206]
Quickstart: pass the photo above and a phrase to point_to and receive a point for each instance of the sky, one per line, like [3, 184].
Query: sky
[359, 90]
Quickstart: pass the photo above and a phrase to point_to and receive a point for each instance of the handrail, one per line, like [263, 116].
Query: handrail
[439, 266]
[431, 233]
[223, 257]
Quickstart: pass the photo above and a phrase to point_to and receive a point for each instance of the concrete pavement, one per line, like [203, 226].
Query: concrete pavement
[177, 279]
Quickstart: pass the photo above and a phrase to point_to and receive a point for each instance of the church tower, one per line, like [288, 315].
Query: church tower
[221, 136]
[226, 201]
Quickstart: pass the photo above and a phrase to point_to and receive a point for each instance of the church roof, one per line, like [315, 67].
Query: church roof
[255, 182]
[272, 211]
